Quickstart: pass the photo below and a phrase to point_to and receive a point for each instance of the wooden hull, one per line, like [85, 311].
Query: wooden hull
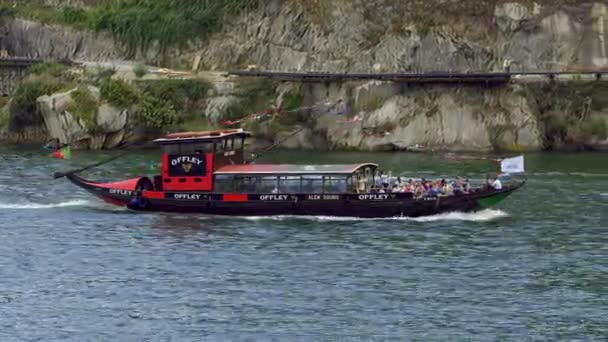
[348, 205]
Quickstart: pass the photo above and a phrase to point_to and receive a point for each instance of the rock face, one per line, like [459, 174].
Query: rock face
[353, 36]
[107, 132]
[433, 117]
[30, 39]
[111, 119]
[60, 123]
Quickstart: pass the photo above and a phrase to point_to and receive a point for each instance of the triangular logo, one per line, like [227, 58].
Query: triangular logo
[187, 167]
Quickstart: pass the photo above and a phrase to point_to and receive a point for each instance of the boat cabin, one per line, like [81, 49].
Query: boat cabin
[190, 158]
[214, 161]
[293, 179]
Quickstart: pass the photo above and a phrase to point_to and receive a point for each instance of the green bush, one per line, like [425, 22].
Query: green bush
[179, 93]
[118, 93]
[154, 113]
[5, 118]
[103, 73]
[139, 23]
[140, 70]
[48, 68]
[6, 12]
[84, 106]
[595, 127]
[76, 17]
[23, 109]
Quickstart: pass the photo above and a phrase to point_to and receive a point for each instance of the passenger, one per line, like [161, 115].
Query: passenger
[373, 190]
[420, 191]
[467, 186]
[384, 180]
[448, 190]
[458, 186]
[275, 191]
[435, 190]
[381, 191]
[496, 184]
[362, 185]
[425, 184]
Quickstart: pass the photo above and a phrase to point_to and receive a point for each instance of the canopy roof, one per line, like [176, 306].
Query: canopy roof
[266, 169]
[185, 137]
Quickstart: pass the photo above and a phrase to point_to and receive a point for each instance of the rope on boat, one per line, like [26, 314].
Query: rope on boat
[329, 106]
[278, 111]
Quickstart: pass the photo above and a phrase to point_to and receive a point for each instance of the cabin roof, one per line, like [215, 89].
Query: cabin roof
[265, 169]
[182, 137]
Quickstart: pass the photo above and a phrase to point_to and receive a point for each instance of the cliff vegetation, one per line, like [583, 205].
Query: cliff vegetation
[209, 37]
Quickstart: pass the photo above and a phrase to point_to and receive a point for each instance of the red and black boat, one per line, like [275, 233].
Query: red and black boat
[206, 172]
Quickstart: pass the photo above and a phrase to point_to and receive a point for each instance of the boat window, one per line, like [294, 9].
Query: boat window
[335, 184]
[223, 183]
[219, 146]
[229, 144]
[206, 147]
[268, 184]
[312, 184]
[186, 149]
[171, 149]
[289, 184]
[245, 184]
[238, 143]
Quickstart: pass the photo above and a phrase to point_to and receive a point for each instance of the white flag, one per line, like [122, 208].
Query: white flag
[512, 165]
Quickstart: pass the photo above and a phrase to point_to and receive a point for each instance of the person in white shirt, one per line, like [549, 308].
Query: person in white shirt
[384, 180]
[496, 184]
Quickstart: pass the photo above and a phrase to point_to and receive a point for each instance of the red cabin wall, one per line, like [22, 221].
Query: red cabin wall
[185, 182]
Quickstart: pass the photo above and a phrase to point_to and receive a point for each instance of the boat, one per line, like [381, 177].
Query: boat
[207, 173]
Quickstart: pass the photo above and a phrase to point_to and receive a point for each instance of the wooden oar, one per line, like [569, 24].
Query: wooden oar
[57, 175]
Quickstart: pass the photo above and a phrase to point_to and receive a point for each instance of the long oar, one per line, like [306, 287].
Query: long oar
[57, 175]
[66, 173]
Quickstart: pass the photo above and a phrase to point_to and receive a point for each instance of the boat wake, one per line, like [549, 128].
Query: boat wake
[479, 216]
[72, 203]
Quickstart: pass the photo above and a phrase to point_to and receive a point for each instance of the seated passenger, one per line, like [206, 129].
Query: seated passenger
[275, 191]
[496, 184]
[447, 189]
[434, 191]
[384, 180]
[458, 186]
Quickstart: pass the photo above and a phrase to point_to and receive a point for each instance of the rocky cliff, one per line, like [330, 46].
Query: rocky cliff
[389, 36]
[394, 35]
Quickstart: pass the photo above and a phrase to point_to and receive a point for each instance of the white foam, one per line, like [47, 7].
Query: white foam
[479, 216]
[72, 203]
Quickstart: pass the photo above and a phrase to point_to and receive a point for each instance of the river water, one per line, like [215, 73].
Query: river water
[73, 268]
